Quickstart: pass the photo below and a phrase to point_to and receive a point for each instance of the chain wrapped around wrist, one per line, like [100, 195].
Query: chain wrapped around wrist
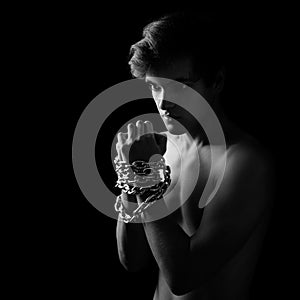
[150, 179]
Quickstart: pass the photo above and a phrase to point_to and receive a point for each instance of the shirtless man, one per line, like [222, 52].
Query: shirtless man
[205, 252]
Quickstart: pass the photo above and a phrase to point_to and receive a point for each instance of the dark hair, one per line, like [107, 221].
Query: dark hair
[178, 35]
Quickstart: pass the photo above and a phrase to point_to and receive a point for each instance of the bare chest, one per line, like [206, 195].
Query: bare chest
[189, 173]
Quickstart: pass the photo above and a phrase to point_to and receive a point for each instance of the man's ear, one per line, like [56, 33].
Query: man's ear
[220, 80]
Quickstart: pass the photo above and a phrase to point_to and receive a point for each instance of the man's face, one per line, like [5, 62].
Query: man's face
[178, 84]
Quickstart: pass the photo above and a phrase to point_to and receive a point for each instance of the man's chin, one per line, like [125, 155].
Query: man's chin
[177, 129]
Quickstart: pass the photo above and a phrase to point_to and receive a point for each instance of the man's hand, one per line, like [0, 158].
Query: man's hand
[140, 142]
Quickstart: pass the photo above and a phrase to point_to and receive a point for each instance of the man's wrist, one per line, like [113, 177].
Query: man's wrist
[129, 202]
[155, 211]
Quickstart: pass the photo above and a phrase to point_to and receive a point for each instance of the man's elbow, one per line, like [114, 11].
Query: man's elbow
[130, 268]
[180, 286]
[185, 283]
[179, 289]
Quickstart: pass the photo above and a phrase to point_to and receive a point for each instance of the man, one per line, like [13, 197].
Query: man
[209, 251]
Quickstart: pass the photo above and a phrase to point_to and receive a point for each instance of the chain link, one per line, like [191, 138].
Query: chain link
[152, 178]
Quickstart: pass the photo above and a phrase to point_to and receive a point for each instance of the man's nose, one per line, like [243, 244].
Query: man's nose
[165, 104]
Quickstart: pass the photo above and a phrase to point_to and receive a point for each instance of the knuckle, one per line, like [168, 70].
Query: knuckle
[130, 127]
[139, 123]
[121, 137]
[148, 126]
[129, 141]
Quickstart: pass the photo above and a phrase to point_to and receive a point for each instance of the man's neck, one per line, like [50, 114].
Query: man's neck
[199, 137]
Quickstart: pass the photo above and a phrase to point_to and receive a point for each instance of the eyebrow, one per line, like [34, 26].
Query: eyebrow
[180, 79]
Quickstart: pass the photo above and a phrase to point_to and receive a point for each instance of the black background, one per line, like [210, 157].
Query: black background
[90, 53]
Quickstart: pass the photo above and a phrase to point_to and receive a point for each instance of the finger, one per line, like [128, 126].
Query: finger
[148, 127]
[131, 131]
[121, 141]
[122, 138]
[119, 155]
[140, 129]
[119, 152]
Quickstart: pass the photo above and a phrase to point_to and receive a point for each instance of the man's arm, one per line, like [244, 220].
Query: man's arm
[133, 248]
[227, 223]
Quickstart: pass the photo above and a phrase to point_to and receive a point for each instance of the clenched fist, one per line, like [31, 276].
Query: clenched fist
[140, 143]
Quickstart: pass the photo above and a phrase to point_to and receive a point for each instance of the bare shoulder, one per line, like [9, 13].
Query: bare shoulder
[248, 180]
[250, 157]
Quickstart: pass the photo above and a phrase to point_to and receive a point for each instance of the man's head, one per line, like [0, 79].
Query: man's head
[184, 47]
[179, 36]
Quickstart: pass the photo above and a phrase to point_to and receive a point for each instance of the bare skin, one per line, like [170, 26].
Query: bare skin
[224, 238]
[202, 253]
[233, 276]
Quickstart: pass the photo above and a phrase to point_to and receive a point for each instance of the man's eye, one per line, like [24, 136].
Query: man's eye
[154, 88]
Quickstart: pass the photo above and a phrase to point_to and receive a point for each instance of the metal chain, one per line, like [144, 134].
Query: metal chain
[157, 178]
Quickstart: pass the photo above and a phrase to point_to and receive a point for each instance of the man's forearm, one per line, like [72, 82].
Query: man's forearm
[170, 246]
[133, 248]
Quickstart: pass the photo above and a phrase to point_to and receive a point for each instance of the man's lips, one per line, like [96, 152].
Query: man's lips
[169, 115]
